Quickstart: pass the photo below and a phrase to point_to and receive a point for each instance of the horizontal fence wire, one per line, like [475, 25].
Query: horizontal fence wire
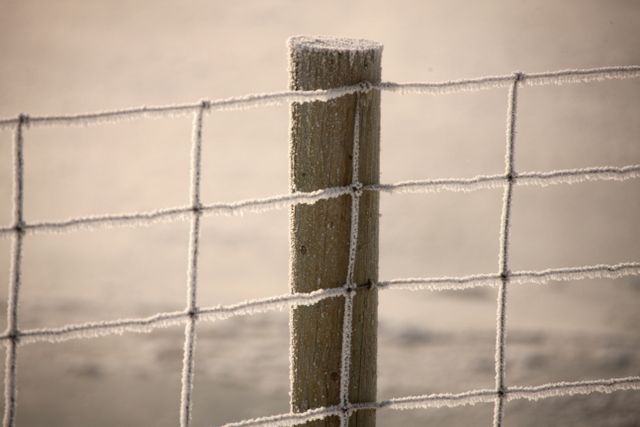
[541, 179]
[262, 305]
[451, 400]
[286, 97]
[15, 337]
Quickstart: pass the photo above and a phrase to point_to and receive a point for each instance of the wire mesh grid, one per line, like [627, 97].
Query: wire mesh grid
[511, 178]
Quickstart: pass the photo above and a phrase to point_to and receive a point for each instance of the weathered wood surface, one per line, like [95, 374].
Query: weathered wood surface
[321, 156]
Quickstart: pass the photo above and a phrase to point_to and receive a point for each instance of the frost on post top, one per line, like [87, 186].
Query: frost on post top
[328, 43]
[340, 58]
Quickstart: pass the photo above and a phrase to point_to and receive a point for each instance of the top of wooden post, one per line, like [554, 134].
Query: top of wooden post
[323, 62]
[333, 44]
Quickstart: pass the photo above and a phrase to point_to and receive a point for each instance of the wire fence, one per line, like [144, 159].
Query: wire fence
[193, 313]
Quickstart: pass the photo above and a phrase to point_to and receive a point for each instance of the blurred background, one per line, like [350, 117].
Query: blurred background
[75, 56]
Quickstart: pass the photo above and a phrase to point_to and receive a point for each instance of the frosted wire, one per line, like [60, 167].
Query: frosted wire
[172, 214]
[324, 95]
[289, 419]
[532, 79]
[10, 382]
[13, 336]
[503, 261]
[541, 179]
[349, 286]
[472, 397]
[192, 272]
[281, 302]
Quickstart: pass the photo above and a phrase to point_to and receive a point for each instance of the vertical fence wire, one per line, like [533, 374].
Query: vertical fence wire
[194, 249]
[11, 364]
[503, 262]
[349, 286]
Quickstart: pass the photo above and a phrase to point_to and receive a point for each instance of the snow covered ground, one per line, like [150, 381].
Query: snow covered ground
[66, 57]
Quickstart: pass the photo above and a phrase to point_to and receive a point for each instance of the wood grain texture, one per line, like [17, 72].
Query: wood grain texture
[321, 143]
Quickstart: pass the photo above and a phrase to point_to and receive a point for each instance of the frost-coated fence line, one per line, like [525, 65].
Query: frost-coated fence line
[511, 178]
[286, 97]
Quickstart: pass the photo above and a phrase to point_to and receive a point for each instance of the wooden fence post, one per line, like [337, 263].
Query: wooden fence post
[321, 143]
